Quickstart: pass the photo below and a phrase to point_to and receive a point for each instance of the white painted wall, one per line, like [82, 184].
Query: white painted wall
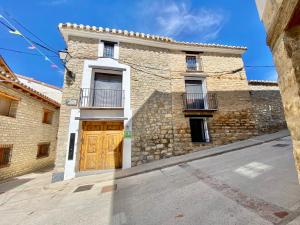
[87, 82]
[73, 128]
[46, 90]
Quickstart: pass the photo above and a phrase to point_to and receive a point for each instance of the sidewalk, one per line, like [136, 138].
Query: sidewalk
[163, 163]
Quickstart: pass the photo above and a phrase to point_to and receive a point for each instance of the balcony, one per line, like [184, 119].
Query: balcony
[203, 103]
[101, 98]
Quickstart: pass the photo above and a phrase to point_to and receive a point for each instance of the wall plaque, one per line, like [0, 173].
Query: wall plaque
[71, 102]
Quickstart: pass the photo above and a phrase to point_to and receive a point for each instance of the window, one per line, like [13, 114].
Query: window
[198, 130]
[47, 117]
[43, 150]
[8, 105]
[191, 62]
[5, 155]
[107, 90]
[108, 50]
[195, 97]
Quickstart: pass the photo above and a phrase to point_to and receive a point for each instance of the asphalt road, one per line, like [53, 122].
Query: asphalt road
[256, 185]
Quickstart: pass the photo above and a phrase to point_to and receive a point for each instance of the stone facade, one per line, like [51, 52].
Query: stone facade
[160, 128]
[25, 131]
[267, 108]
[282, 23]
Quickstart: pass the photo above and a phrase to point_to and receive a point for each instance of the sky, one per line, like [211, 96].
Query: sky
[229, 22]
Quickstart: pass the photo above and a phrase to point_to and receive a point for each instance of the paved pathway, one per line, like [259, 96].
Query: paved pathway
[256, 185]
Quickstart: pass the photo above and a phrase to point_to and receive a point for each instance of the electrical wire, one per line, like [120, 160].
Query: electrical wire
[22, 52]
[28, 30]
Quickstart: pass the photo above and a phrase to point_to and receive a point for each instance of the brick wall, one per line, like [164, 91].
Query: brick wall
[25, 132]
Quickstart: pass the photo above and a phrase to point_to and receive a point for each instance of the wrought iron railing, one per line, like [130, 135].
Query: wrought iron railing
[101, 98]
[200, 101]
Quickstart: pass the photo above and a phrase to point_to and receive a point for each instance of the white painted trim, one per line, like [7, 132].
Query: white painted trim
[87, 81]
[119, 38]
[73, 128]
[100, 48]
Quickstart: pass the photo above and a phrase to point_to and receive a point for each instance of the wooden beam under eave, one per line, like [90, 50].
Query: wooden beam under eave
[5, 95]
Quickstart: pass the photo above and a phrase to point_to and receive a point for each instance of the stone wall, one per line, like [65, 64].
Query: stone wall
[281, 20]
[25, 132]
[160, 127]
[267, 110]
[80, 49]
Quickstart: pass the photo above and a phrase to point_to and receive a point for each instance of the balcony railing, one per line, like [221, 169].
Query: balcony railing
[101, 98]
[200, 101]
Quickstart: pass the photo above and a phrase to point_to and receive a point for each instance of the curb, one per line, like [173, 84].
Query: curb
[207, 153]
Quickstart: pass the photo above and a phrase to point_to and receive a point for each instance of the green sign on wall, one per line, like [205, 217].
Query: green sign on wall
[127, 133]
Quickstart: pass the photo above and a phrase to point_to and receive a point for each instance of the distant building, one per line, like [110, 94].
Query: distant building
[135, 98]
[28, 123]
[281, 19]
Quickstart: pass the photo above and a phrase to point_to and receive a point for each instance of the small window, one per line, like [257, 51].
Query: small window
[5, 155]
[191, 62]
[108, 50]
[8, 106]
[198, 133]
[43, 150]
[47, 117]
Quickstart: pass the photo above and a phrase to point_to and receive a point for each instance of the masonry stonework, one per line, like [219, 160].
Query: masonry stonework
[160, 128]
[25, 131]
[282, 24]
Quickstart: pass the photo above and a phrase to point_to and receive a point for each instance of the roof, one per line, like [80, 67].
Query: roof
[63, 27]
[10, 77]
[38, 82]
[263, 82]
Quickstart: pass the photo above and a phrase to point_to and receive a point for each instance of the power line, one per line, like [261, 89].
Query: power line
[27, 29]
[22, 52]
[14, 30]
[36, 43]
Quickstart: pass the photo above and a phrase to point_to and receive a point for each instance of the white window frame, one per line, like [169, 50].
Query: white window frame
[101, 49]
[198, 64]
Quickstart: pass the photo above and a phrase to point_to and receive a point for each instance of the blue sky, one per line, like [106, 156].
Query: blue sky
[230, 22]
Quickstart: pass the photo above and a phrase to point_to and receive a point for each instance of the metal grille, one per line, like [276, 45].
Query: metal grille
[101, 98]
[108, 50]
[191, 62]
[200, 101]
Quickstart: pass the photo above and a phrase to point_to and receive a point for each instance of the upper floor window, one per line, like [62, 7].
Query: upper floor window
[191, 62]
[8, 105]
[47, 116]
[108, 50]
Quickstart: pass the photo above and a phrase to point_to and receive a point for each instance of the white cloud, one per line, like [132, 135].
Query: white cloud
[174, 19]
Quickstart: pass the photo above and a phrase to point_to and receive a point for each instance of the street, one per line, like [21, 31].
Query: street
[255, 185]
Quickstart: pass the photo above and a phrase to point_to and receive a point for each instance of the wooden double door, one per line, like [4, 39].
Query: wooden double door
[101, 145]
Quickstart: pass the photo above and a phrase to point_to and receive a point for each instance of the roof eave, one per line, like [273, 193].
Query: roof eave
[66, 32]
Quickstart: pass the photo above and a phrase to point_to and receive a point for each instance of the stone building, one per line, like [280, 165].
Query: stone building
[28, 124]
[130, 98]
[281, 19]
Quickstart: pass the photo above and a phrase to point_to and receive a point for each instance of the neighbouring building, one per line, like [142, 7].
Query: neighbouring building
[130, 98]
[281, 19]
[28, 123]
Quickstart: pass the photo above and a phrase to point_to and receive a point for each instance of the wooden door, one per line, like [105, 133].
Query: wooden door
[101, 146]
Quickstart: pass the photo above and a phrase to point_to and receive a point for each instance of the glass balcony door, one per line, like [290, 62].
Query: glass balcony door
[194, 94]
[107, 90]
